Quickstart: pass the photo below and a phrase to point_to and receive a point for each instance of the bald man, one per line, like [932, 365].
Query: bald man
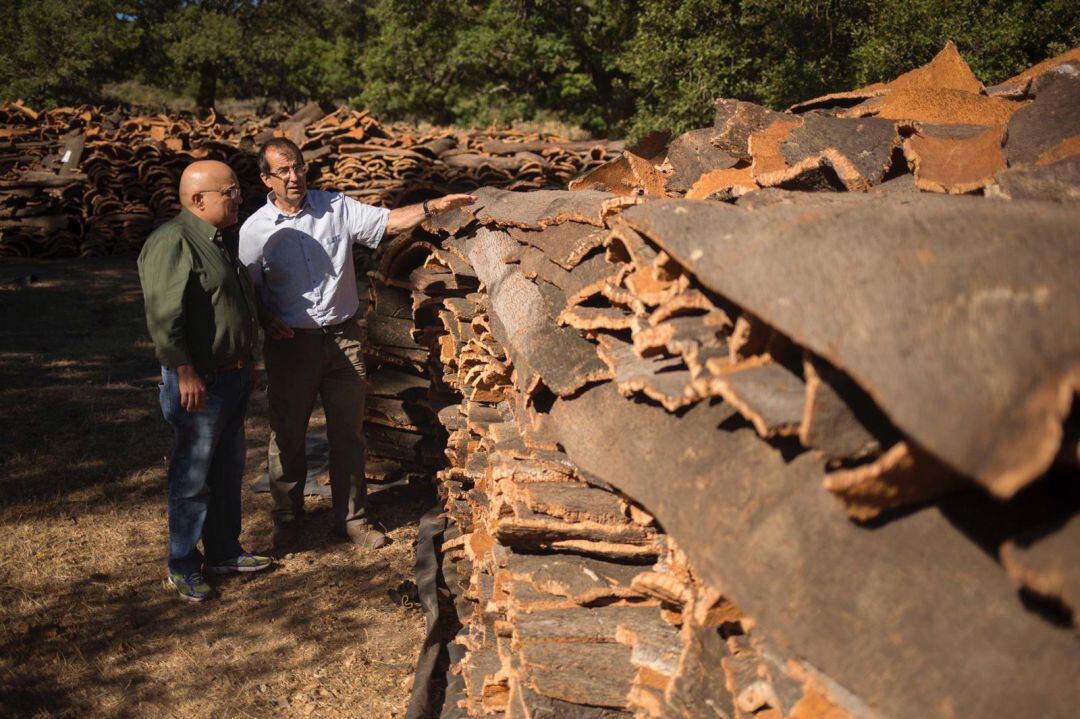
[200, 310]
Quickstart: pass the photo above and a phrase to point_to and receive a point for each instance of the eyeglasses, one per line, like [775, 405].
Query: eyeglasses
[282, 173]
[233, 192]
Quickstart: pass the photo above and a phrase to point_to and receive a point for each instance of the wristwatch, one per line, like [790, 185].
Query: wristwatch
[427, 209]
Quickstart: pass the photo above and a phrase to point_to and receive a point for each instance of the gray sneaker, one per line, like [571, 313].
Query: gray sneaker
[242, 563]
[192, 587]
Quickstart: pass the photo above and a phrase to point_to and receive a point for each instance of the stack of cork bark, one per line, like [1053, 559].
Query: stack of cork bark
[400, 420]
[803, 447]
[936, 128]
[81, 181]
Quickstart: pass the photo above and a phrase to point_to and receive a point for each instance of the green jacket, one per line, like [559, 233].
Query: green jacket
[200, 304]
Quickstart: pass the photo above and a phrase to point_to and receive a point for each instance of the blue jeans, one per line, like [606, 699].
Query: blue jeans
[205, 469]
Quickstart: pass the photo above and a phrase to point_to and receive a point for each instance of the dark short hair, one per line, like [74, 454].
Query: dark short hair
[282, 145]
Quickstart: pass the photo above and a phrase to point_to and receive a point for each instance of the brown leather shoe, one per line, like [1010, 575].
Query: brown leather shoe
[365, 536]
[286, 534]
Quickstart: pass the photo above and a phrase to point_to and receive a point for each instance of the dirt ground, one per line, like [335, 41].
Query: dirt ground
[86, 628]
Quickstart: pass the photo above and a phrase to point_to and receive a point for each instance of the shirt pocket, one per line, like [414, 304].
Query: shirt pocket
[212, 275]
[337, 249]
[336, 241]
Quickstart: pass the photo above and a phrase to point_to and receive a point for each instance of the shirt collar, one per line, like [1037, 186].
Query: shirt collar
[280, 216]
[198, 225]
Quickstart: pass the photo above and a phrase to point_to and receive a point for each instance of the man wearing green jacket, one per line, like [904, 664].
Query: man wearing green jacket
[200, 310]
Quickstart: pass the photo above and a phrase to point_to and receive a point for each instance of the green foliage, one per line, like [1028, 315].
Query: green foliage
[683, 56]
[499, 61]
[57, 52]
[298, 50]
[612, 67]
[520, 59]
[204, 41]
[404, 63]
[779, 52]
[998, 38]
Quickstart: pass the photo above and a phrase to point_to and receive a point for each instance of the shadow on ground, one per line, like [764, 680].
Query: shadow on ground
[85, 626]
[77, 379]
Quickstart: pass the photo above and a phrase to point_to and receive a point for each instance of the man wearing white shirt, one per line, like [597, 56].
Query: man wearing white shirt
[298, 248]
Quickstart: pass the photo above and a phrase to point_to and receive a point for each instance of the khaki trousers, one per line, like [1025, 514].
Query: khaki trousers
[330, 366]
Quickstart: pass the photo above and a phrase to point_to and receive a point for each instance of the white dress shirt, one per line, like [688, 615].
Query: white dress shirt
[302, 264]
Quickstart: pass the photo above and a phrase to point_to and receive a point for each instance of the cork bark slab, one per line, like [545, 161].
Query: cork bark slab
[695, 690]
[946, 71]
[515, 524]
[525, 703]
[723, 184]
[395, 413]
[596, 318]
[937, 106]
[831, 421]
[769, 168]
[535, 264]
[1059, 182]
[436, 281]
[580, 579]
[865, 145]
[392, 302]
[559, 355]
[769, 196]
[955, 159]
[978, 306]
[815, 153]
[735, 121]
[662, 379]
[627, 175]
[938, 634]
[560, 286]
[463, 307]
[580, 624]
[1045, 125]
[564, 244]
[396, 384]
[697, 339]
[412, 447]
[902, 476]
[449, 259]
[690, 302]
[768, 395]
[1048, 564]
[392, 331]
[480, 669]
[1017, 86]
[846, 98]
[525, 597]
[598, 675]
[691, 155]
[589, 277]
[540, 208]
[573, 502]
[656, 647]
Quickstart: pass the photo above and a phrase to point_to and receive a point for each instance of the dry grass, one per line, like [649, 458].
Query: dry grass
[150, 98]
[85, 626]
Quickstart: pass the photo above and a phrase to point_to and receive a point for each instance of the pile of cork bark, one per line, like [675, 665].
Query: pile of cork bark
[802, 445]
[84, 181]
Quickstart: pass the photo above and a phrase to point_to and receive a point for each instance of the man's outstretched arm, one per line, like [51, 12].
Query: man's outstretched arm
[406, 218]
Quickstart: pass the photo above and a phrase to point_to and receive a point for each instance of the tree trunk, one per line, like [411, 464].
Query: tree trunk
[208, 75]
